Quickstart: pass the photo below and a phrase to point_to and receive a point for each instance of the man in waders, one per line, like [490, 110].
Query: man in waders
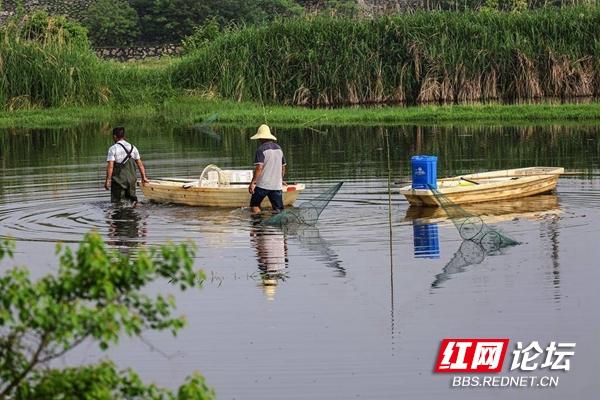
[120, 171]
[269, 170]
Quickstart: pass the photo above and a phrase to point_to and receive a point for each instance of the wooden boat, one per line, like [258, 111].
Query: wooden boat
[488, 186]
[214, 188]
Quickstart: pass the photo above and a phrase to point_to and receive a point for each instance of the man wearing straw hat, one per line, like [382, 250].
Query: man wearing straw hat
[269, 169]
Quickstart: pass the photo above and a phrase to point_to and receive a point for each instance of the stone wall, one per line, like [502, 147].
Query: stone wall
[137, 53]
[4, 14]
[75, 8]
[72, 8]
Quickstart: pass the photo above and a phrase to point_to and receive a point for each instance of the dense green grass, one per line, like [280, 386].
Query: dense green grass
[423, 58]
[47, 72]
[190, 110]
[51, 70]
[440, 57]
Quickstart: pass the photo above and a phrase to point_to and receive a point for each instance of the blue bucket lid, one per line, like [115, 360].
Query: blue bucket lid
[423, 158]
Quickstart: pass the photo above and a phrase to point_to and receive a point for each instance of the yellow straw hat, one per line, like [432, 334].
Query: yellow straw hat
[263, 133]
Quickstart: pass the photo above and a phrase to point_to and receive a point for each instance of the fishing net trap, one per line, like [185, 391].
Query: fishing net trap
[472, 227]
[306, 213]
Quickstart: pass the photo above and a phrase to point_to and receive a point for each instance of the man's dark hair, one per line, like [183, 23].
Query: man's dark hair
[119, 132]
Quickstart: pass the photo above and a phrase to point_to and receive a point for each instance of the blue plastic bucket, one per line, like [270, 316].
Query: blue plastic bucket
[426, 240]
[424, 172]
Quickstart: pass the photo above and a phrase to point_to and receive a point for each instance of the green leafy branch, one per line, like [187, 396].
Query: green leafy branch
[96, 294]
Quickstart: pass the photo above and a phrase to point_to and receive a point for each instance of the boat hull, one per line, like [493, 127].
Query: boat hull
[231, 196]
[495, 186]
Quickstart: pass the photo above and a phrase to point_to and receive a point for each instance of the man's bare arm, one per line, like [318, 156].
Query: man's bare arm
[140, 166]
[283, 171]
[258, 170]
[109, 171]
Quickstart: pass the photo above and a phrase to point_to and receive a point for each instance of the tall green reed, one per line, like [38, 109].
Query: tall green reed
[47, 71]
[424, 57]
[46, 67]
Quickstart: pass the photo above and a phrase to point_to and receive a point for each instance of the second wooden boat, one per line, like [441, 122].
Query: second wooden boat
[487, 186]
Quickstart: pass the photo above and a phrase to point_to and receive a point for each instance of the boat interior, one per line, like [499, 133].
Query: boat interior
[497, 176]
[213, 176]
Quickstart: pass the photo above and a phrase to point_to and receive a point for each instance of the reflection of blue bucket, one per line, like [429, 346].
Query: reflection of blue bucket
[424, 172]
[426, 240]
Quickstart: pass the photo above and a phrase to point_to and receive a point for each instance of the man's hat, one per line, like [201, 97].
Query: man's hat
[264, 133]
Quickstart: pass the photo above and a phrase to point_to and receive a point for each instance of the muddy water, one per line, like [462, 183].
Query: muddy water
[344, 309]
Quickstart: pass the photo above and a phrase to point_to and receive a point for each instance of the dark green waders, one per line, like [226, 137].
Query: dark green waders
[124, 180]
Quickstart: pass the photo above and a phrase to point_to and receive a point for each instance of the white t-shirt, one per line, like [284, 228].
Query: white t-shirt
[270, 155]
[117, 154]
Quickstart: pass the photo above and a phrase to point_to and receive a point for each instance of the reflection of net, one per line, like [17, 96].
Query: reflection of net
[308, 212]
[311, 240]
[471, 227]
[205, 127]
[469, 253]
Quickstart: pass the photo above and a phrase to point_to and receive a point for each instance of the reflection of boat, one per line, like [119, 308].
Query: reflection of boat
[214, 188]
[487, 186]
[494, 211]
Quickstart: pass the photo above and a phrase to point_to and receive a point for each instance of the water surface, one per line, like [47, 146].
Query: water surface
[344, 309]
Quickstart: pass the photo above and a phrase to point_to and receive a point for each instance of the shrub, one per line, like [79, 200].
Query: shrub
[173, 20]
[47, 64]
[203, 34]
[41, 27]
[112, 23]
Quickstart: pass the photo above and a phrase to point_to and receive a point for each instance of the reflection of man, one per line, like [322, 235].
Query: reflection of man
[269, 170]
[126, 227]
[120, 171]
[271, 254]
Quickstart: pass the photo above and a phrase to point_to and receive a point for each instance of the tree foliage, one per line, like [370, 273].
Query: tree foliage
[204, 34]
[112, 23]
[6, 248]
[104, 382]
[172, 20]
[97, 295]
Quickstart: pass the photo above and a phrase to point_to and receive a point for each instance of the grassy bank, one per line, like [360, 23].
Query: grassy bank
[50, 77]
[420, 58]
[416, 58]
[47, 62]
[47, 70]
[190, 110]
